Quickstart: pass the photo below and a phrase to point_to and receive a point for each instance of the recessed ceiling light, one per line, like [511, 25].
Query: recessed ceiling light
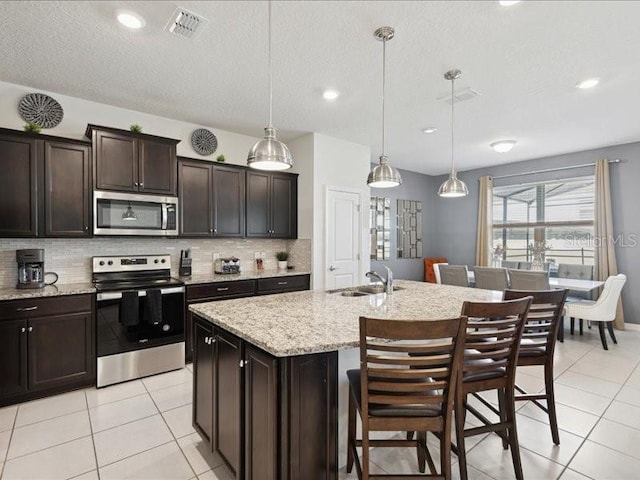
[508, 3]
[588, 83]
[330, 95]
[503, 146]
[429, 130]
[131, 20]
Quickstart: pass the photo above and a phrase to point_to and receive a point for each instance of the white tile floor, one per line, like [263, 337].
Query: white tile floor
[142, 429]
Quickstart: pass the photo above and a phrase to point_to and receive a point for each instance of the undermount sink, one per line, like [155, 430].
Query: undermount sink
[363, 290]
[354, 293]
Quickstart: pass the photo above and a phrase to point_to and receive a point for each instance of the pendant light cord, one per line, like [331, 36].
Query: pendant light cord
[270, 74]
[453, 99]
[384, 76]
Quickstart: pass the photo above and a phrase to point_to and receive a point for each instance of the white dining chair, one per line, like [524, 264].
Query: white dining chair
[603, 310]
[436, 271]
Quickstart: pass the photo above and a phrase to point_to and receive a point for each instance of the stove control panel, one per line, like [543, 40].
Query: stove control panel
[131, 263]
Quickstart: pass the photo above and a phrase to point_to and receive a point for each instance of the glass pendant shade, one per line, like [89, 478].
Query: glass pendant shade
[129, 214]
[384, 175]
[270, 153]
[453, 187]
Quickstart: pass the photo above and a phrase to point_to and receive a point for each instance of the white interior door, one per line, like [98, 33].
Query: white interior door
[343, 239]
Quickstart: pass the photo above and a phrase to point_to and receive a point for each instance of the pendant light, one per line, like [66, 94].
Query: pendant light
[270, 153]
[453, 187]
[129, 214]
[384, 175]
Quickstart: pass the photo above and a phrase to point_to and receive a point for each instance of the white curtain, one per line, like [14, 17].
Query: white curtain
[485, 222]
[605, 253]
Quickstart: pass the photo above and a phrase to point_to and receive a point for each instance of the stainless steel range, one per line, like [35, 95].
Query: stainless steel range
[140, 317]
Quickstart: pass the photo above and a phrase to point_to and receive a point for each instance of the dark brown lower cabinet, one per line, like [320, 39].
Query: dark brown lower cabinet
[47, 345]
[271, 418]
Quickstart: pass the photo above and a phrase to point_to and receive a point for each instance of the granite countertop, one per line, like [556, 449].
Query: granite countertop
[315, 321]
[48, 291]
[250, 275]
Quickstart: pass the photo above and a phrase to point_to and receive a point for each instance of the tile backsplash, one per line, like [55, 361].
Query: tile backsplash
[71, 258]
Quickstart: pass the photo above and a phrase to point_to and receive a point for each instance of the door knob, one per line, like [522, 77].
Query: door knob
[332, 268]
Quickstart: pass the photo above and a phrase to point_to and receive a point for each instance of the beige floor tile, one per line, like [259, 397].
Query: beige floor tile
[92, 475]
[200, 457]
[599, 462]
[126, 440]
[189, 366]
[624, 413]
[617, 436]
[536, 436]
[570, 419]
[489, 457]
[60, 462]
[173, 397]
[220, 473]
[4, 444]
[121, 412]
[165, 462]
[169, 379]
[113, 393]
[589, 384]
[45, 434]
[569, 474]
[581, 400]
[7, 417]
[179, 420]
[529, 383]
[634, 378]
[50, 407]
[617, 371]
[629, 395]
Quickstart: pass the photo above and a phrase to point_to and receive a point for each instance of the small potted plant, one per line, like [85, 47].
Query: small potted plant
[135, 128]
[32, 127]
[220, 159]
[282, 260]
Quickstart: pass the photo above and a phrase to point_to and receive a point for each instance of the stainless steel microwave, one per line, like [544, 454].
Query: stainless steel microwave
[117, 213]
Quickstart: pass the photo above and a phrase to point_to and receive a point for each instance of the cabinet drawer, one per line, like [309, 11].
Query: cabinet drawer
[283, 284]
[38, 307]
[219, 290]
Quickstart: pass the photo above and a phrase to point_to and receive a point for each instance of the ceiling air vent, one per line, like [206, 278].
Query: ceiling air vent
[460, 96]
[185, 23]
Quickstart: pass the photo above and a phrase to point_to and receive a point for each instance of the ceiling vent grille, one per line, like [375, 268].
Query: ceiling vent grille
[185, 23]
[460, 96]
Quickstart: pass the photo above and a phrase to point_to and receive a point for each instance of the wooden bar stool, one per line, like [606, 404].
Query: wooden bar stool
[490, 359]
[405, 386]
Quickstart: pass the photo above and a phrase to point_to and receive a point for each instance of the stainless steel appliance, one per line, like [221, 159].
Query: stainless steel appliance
[31, 269]
[226, 265]
[140, 317]
[117, 213]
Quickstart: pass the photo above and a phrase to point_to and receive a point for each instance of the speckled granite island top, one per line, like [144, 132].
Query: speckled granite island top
[49, 291]
[249, 275]
[315, 321]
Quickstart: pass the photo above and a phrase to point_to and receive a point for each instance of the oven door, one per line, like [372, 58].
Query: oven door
[115, 336]
[130, 214]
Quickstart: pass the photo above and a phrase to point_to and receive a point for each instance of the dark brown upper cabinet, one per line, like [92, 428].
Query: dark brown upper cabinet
[45, 188]
[272, 205]
[133, 162]
[212, 199]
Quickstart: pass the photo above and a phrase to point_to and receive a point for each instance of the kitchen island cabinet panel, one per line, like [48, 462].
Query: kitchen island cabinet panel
[13, 357]
[203, 393]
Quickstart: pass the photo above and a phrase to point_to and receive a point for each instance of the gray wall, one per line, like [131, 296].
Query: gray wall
[415, 186]
[453, 221]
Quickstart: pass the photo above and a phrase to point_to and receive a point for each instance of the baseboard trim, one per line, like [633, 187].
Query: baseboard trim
[632, 326]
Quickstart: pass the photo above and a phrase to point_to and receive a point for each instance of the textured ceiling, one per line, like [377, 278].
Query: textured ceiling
[523, 60]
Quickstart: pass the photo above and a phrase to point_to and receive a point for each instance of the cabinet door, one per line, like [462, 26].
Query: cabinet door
[61, 350]
[18, 187]
[228, 399]
[284, 198]
[261, 415]
[203, 379]
[13, 357]
[157, 167]
[195, 192]
[116, 159]
[67, 189]
[228, 201]
[258, 204]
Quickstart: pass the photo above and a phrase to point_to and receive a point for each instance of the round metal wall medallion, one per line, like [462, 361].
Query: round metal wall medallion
[40, 109]
[204, 141]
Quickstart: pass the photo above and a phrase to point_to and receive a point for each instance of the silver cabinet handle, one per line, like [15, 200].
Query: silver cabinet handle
[141, 184]
[215, 230]
[135, 184]
[283, 283]
[209, 340]
[221, 289]
[23, 329]
[27, 309]
[244, 363]
[206, 340]
[30, 329]
[333, 269]
[211, 230]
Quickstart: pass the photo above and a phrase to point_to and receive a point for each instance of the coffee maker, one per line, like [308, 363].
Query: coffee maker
[30, 268]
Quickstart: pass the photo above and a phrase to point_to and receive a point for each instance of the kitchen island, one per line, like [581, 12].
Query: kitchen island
[270, 389]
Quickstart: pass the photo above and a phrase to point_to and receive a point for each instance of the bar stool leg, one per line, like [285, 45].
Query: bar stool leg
[513, 435]
[503, 415]
[351, 436]
[551, 402]
[460, 412]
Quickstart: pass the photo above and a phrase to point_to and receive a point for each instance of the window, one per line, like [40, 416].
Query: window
[554, 218]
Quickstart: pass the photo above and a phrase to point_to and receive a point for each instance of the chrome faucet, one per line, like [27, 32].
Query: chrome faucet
[388, 283]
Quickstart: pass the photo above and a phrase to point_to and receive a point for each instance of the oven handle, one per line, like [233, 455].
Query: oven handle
[141, 293]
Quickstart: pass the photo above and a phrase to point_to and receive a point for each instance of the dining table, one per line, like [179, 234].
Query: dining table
[574, 284]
